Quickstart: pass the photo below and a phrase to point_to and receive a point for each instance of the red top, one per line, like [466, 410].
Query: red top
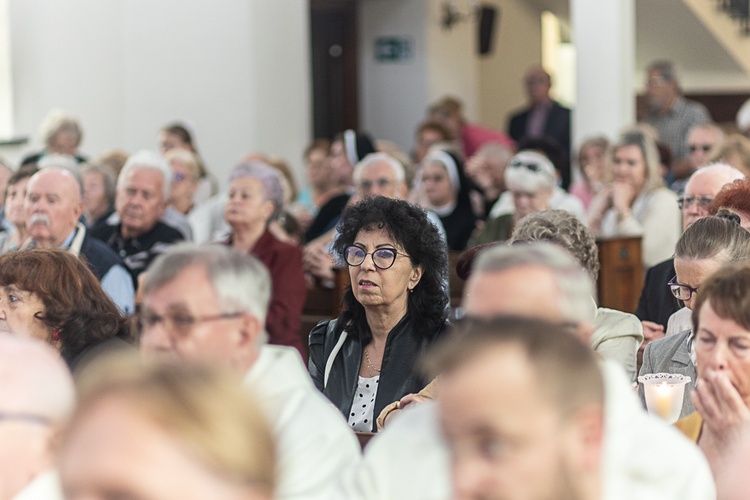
[288, 290]
[474, 136]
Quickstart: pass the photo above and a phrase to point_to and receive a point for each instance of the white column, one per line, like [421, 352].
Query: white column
[604, 37]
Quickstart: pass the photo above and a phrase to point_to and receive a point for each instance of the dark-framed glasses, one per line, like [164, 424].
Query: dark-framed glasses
[180, 324]
[702, 202]
[383, 258]
[533, 167]
[680, 291]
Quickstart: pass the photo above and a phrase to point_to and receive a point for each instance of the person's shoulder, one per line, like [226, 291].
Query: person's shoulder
[695, 106]
[102, 230]
[665, 266]
[663, 195]
[284, 247]
[165, 233]
[560, 108]
[94, 245]
[618, 318]
[519, 113]
[323, 330]
[666, 346]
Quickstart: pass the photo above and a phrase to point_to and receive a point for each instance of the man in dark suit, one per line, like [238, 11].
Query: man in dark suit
[543, 117]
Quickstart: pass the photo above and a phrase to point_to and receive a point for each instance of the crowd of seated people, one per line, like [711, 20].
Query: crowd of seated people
[153, 326]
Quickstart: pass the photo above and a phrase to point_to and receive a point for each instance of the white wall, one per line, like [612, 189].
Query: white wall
[453, 64]
[393, 95]
[518, 45]
[238, 74]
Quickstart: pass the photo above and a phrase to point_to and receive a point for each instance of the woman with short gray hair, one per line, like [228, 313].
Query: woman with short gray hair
[255, 199]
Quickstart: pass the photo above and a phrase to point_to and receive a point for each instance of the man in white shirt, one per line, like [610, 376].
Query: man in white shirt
[538, 281]
[208, 304]
[36, 398]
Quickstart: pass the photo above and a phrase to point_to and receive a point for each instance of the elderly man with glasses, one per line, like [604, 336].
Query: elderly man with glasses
[657, 304]
[209, 305]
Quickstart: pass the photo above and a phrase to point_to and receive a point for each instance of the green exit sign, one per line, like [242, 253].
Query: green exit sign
[393, 49]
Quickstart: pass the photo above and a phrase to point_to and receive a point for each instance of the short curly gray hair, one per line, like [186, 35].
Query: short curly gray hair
[270, 182]
[564, 229]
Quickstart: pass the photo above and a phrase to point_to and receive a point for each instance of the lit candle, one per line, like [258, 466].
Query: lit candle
[663, 399]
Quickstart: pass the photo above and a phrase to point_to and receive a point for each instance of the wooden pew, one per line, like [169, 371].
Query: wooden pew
[621, 273]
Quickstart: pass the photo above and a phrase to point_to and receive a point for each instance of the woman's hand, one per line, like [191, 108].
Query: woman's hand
[598, 207]
[409, 399]
[318, 261]
[721, 406]
[623, 195]
[478, 170]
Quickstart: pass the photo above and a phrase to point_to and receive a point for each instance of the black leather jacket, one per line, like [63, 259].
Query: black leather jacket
[399, 374]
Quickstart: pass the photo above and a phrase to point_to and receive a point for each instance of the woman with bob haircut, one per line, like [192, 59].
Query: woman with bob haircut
[195, 432]
[635, 202]
[52, 295]
[393, 312]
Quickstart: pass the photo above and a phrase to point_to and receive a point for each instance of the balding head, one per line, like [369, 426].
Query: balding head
[509, 280]
[702, 187]
[379, 174]
[53, 205]
[37, 397]
[538, 83]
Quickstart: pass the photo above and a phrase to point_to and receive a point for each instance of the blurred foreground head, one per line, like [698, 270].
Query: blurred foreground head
[166, 431]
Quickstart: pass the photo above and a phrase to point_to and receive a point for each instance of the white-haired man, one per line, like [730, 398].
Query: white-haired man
[208, 304]
[508, 281]
[37, 396]
[138, 235]
[53, 207]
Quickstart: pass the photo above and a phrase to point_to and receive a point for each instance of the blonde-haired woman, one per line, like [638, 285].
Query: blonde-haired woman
[635, 202]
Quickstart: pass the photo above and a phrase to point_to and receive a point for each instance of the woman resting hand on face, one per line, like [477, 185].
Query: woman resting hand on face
[635, 202]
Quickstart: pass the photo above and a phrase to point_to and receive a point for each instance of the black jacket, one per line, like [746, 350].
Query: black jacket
[657, 303]
[399, 374]
[557, 127]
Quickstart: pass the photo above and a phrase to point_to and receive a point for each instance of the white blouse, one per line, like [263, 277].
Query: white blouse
[361, 413]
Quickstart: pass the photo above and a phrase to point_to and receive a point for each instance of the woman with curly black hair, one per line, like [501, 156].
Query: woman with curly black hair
[52, 295]
[394, 310]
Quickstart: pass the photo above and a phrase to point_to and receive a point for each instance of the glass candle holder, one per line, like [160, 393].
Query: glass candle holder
[664, 394]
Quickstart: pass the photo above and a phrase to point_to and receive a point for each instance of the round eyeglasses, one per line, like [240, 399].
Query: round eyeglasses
[680, 291]
[383, 258]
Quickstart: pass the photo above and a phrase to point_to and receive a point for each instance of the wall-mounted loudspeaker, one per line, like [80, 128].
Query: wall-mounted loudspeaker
[487, 19]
